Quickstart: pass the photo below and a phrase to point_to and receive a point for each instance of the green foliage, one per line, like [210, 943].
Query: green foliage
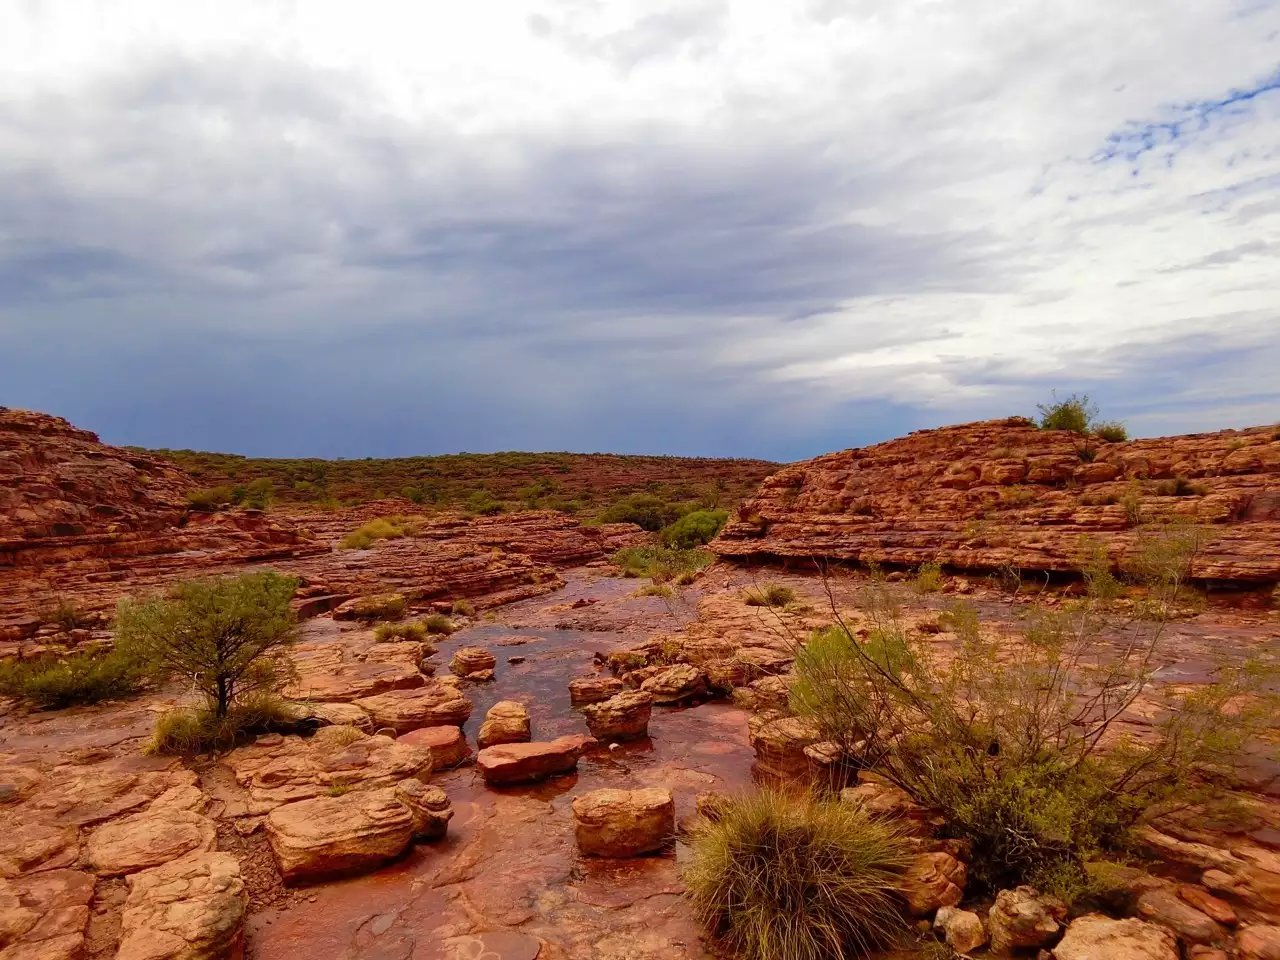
[185, 732]
[1016, 742]
[1112, 431]
[928, 578]
[439, 623]
[257, 495]
[483, 504]
[645, 510]
[785, 877]
[464, 608]
[654, 590]
[1077, 413]
[383, 528]
[388, 632]
[694, 529]
[770, 595]
[54, 682]
[225, 637]
[662, 563]
[210, 498]
[67, 615]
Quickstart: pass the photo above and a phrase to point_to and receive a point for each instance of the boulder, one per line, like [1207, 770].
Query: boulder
[624, 716]
[328, 836]
[887, 802]
[192, 908]
[1208, 904]
[429, 807]
[676, 684]
[148, 839]
[1022, 919]
[1095, 937]
[585, 690]
[1258, 942]
[431, 705]
[469, 661]
[624, 823]
[962, 930]
[779, 744]
[506, 722]
[931, 881]
[28, 844]
[524, 762]
[448, 745]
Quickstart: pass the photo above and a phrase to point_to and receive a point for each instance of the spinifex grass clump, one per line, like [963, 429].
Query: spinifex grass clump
[787, 877]
[662, 563]
[770, 595]
[366, 535]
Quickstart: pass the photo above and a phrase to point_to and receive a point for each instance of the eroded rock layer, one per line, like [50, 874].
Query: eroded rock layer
[1002, 493]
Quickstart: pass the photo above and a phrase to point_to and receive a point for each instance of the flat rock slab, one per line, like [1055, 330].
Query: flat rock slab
[44, 916]
[278, 770]
[499, 945]
[1095, 937]
[192, 908]
[148, 840]
[329, 836]
[524, 762]
[431, 705]
[29, 844]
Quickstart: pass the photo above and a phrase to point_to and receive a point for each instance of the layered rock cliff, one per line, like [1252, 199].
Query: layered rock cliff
[1005, 494]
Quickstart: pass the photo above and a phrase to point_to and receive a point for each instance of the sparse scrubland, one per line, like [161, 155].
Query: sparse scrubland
[662, 564]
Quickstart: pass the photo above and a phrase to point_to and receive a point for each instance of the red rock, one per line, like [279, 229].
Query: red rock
[621, 717]
[932, 881]
[1095, 937]
[45, 916]
[1258, 942]
[148, 840]
[624, 823]
[1022, 919]
[506, 722]
[953, 495]
[430, 705]
[192, 908]
[329, 836]
[523, 762]
[585, 690]
[447, 744]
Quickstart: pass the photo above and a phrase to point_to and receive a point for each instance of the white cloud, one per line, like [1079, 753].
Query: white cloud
[945, 207]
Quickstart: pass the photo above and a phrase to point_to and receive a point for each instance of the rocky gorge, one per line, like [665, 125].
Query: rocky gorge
[521, 787]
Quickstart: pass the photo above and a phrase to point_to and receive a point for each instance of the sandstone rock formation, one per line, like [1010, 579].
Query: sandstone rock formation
[779, 743]
[334, 835]
[506, 722]
[931, 881]
[472, 661]
[431, 705]
[676, 684]
[1022, 919]
[523, 762]
[447, 744]
[429, 806]
[1002, 493]
[624, 823]
[148, 840]
[621, 717]
[1095, 937]
[45, 916]
[962, 930]
[192, 908]
[584, 690]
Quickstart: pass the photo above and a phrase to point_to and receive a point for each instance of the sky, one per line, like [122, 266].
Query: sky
[707, 227]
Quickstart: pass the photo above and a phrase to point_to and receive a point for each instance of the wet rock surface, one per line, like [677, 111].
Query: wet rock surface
[624, 823]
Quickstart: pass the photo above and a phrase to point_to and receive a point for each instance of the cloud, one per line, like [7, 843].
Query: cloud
[759, 228]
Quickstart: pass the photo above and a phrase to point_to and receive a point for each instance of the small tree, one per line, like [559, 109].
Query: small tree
[224, 636]
[1077, 413]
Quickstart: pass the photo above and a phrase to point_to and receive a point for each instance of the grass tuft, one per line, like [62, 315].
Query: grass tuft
[771, 595]
[186, 732]
[787, 877]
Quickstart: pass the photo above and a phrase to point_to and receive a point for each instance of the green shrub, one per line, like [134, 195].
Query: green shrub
[770, 595]
[482, 503]
[464, 608]
[210, 498]
[1112, 431]
[654, 590]
[645, 510]
[257, 495]
[54, 682]
[661, 563]
[364, 536]
[1077, 413]
[185, 732]
[1016, 743]
[439, 623]
[67, 615]
[226, 637]
[783, 877]
[693, 529]
[388, 632]
[928, 578]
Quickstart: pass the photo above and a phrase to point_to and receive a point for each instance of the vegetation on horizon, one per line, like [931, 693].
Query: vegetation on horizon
[1078, 414]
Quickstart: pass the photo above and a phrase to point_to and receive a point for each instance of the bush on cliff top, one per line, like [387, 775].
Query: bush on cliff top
[1078, 414]
[788, 877]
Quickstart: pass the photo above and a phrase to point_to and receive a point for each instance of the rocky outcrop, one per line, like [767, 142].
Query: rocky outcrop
[429, 806]
[1095, 937]
[779, 743]
[45, 916]
[622, 717]
[624, 823]
[1022, 919]
[1002, 493]
[192, 908]
[334, 835]
[448, 745]
[431, 705]
[276, 770]
[931, 881]
[524, 762]
[676, 684]
[473, 663]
